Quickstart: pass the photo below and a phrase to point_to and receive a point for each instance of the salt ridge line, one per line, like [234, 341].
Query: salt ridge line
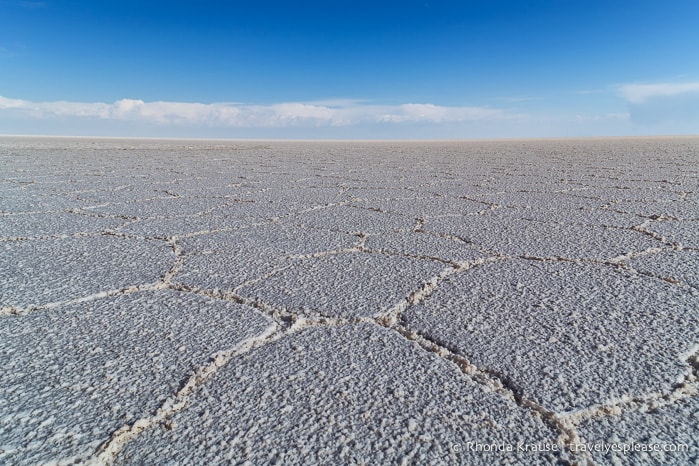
[293, 323]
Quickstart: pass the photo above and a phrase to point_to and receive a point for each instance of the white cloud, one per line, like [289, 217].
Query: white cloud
[340, 112]
[640, 93]
[669, 108]
[436, 114]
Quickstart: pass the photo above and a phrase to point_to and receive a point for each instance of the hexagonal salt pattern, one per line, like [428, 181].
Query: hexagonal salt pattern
[227, 260]
[356, 394]
[231, 216]
[22, 196]
[344, 285]
[680, 210]
[421, 206]
[21, 226]
[376, 302]
[683, 232]
[354, 220]
[680, 267]
[567, 335]
[40, 272]
[74, 374]
[511, 233]
[156, 207]
[423, 245]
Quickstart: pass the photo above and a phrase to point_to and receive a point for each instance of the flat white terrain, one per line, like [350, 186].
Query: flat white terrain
[203, 302]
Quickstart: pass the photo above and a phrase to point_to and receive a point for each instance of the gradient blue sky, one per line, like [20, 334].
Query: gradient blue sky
[349, 69]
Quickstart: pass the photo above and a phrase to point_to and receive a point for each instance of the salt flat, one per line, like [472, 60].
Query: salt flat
[199, 302]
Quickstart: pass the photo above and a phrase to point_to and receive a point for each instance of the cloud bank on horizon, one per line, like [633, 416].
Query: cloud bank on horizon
[323, 113]
[651, 108]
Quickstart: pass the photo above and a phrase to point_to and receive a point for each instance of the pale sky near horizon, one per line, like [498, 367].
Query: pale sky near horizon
[349, 69]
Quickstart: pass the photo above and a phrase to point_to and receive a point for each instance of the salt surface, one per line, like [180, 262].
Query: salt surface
[365, 302]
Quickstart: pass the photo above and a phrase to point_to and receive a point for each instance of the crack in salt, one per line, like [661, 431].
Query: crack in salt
[686, 387]
[106, 453]
[500, 384]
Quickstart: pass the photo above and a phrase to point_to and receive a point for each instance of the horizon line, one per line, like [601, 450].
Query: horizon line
[494, 139]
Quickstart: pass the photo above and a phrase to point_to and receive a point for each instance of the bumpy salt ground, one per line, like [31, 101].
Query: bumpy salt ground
[192, 302]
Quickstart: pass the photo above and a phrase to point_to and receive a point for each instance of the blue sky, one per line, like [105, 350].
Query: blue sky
[349, 69]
